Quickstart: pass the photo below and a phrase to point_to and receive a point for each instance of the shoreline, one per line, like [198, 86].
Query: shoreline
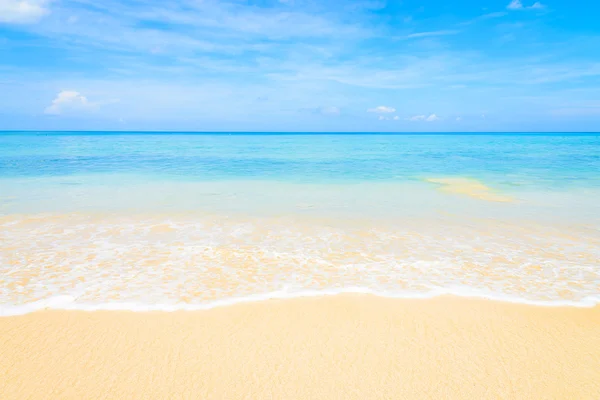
[344, 346]
[66, 302]
[189, 262]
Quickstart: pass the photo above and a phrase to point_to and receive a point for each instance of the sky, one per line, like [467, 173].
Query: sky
[300, 65]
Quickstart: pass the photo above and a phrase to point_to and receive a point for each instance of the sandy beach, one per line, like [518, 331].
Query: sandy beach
[342, 347]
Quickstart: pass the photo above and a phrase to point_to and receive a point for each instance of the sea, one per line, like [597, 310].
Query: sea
[185, 221]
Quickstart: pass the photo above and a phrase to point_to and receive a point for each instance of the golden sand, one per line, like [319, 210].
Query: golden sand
[342, 347]
[470, 187]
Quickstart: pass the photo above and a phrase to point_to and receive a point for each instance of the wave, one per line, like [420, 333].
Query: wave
[179, 262]
[67, 302]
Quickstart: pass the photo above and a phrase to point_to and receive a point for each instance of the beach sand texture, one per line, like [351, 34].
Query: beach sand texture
[340, 347]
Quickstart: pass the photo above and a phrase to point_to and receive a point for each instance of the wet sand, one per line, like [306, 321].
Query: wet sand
[342, 347]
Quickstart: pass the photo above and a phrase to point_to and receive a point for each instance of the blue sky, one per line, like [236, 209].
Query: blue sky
[300, 65]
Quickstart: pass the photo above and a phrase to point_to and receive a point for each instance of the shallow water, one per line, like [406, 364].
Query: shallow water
[139, 221]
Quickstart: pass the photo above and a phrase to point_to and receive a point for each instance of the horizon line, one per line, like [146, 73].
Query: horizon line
[39, 131]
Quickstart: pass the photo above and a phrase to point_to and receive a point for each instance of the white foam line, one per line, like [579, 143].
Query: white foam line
[65, 302]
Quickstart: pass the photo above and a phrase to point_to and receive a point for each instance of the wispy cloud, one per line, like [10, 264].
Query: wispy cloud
[329, 110]
[382, 110]
[187, 29]
[430, 118]
[432, 33]
[211, 60]
[498, 14]
[484, 17]
[22, 11]
[515, 5]
[391, 118]
[518, 5]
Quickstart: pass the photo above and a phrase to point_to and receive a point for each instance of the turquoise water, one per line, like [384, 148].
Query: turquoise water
[187, 221]
[509, 160]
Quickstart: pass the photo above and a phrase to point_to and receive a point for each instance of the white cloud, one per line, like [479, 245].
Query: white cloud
[430, 118]
[458, 119]
[431, 33]
[22, 11]
[384, 118]
[382, 110]
[68, 100]
[518, 5]
[515, 5]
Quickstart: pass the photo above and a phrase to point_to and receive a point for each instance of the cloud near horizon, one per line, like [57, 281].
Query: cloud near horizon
[71, 101]
[382, 110]
[67, 100]
[430, 118]
[391, 118]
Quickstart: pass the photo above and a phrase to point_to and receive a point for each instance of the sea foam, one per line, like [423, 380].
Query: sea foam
[189, 262]
[70, 303]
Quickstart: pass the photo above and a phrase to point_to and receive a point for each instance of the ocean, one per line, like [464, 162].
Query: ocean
[168, 221]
